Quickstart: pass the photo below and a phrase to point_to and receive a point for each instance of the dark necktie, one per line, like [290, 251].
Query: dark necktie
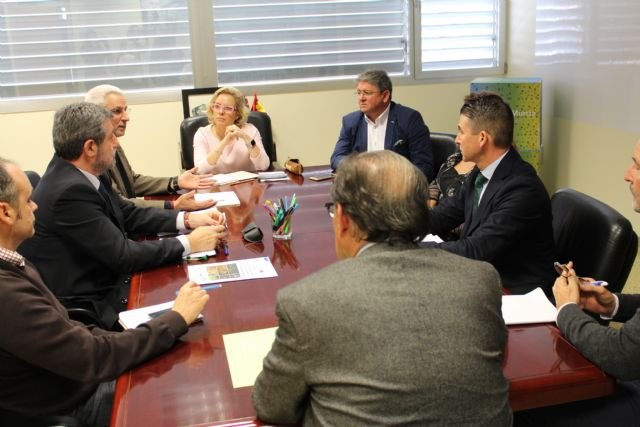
[477, 187]
[106, 192]
[128, 189]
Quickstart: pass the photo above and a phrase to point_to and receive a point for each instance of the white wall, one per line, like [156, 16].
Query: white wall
[305, 126]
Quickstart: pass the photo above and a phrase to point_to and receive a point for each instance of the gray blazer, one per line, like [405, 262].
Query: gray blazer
[617, 351]
[141, 185]
[396, 336]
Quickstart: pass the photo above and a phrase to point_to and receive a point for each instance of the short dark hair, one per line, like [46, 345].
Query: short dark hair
[385, 195]
[380, 78]
[8, 188]
[489, 112]
[76, 123]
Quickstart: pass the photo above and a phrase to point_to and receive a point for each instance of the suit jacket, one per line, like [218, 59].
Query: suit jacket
[81, 246]
[131, 185]
[396, 336]
[50, 364]
[511, 228]
[403, 124]
[617, 351]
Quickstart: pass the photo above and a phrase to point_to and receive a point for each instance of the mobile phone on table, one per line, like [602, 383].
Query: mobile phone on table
[321, 175]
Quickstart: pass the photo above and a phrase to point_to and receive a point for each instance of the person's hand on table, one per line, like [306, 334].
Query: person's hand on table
[206, 238]
[189, 180]
[190, 301]
[212, 217]
[188, 202]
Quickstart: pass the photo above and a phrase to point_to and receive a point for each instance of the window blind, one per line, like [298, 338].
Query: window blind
[53, 48]
[260, 41]
[459, 35]
[560, 32]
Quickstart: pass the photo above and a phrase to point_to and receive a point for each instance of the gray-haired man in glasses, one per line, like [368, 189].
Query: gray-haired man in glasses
[391, 334]
[132, 185]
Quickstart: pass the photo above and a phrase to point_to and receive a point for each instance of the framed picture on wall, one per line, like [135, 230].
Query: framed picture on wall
[194, 101]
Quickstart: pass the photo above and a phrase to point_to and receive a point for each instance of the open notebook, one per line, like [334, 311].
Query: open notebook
[234, 177]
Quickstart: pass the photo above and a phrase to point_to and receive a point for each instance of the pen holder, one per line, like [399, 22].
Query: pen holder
[283, 232]
[281, 212]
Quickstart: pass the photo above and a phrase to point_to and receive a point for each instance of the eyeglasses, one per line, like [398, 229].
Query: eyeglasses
[118, 111]
[224, 108]
[366, 93]
[331, 208]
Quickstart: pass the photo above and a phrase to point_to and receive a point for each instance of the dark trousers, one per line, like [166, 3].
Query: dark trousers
[621, 409]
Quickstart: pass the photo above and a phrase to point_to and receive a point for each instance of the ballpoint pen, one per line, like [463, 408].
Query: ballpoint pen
[225, 245]
[560, 268]
[207, 287]
[196, 258]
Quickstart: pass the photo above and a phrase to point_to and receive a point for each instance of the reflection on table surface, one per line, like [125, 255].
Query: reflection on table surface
[191, 385]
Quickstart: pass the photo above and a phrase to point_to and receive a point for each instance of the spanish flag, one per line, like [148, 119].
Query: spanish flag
[257, 106]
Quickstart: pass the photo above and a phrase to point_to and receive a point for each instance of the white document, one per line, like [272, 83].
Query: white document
[224, 198]
[533, 307]
[432, 238]
[245, 352]
[234, 177]
[218, 272]
[132, 318]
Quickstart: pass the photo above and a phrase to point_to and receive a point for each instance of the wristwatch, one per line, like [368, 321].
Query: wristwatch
[173, 185]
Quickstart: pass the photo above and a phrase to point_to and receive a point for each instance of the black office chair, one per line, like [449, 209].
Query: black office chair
[34, 178]
[442, 145]
[262, 121]
[190, 126]
[11, 419]
[188, 129]
[600, 242]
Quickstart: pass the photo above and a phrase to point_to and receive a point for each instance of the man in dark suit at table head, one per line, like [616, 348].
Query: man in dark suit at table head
[503, 204]
[392, 334]
[133, 185]
[49, 364]
[616, 351]
[381, 124]
[82, 245]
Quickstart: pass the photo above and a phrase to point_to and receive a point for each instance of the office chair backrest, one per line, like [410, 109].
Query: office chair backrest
[34, 178]
[442, 145]
[188, 129]
[262, 121]
[600, 242]
[190, 126]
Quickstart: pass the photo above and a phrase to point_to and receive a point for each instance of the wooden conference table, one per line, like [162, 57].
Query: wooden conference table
[191, 384]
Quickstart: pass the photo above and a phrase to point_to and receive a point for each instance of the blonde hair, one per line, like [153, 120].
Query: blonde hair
[238, 97]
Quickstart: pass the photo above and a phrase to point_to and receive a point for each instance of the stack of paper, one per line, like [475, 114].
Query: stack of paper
[233, 178]
[533, 307]
[224, 198]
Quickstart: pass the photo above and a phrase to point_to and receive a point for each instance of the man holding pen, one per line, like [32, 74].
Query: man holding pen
[616, 351]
